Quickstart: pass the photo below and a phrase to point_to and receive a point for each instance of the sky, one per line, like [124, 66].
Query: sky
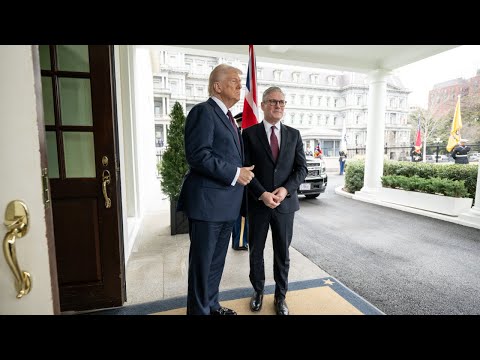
[420, 77]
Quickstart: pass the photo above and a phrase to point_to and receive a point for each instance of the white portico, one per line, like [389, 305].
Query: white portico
[375, 60]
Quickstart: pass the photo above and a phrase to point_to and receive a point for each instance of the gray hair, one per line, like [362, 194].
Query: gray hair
[270, 90]
[218, 74]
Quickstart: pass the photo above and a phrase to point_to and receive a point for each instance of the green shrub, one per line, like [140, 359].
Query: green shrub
[443, 179]
[174, 163]
[438, 186]
[354, 175]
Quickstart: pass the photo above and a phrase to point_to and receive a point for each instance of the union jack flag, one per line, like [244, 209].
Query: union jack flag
[250, 109]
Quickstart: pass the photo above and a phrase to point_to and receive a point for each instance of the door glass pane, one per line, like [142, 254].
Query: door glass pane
[73, 58]
[75, 101]
[47, 92]
[79, 154]
[44, 51]
[52, 155]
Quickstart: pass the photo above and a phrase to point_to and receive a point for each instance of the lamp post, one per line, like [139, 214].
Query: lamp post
[437, 141]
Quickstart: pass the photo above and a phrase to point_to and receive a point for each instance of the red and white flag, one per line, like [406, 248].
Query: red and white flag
[418, 140]
[250, 109]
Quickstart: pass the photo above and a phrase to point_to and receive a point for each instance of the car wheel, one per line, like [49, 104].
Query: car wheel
[311, 196]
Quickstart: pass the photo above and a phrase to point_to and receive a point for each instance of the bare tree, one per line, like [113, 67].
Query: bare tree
[428, 126]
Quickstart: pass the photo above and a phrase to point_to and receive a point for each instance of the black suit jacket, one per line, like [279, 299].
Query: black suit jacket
[289, 171]
[214, 152]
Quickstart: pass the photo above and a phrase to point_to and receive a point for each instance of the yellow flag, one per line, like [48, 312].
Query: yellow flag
[456, 126]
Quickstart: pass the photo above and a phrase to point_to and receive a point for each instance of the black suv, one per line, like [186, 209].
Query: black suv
[316, 180]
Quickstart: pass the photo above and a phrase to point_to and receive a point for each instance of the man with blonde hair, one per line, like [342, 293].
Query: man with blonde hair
[213, 188]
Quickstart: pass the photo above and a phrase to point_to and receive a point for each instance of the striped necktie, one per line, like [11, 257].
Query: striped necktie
[235, 127]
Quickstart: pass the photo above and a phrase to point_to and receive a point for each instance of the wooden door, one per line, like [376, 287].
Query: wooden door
[80, 127]
[22, 162]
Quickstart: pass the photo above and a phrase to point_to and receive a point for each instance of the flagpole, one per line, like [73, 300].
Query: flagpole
[343, 141]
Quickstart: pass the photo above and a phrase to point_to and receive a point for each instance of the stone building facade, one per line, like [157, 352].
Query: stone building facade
[318, 101]
[443, 97]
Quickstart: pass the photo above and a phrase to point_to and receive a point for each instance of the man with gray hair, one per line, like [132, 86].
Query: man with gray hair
[277, 152]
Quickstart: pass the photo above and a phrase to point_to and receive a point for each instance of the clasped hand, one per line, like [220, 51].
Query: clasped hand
[273, 199]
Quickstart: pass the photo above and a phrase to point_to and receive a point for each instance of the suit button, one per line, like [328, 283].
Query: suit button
[275, 170]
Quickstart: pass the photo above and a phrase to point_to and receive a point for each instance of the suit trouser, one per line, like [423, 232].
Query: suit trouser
[282, 232]
[208, 249]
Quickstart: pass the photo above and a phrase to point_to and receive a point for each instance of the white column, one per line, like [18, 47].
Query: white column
[472, 216]
[375, 132]
[148, 183]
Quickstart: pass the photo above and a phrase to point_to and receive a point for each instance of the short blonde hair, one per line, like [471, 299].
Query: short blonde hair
[218, 74]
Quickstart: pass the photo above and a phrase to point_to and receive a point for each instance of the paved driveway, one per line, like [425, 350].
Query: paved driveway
[400, 262]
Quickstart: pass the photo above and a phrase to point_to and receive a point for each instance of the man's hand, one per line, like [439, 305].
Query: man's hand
[281, 193]
[246, 175]
[270, 200]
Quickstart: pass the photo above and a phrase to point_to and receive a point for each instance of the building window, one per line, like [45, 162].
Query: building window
[260, 73]
[393, 118]
[277, 74]
[159, 135]
[359, 100]
[173, 84]
[211, 66]
[331, 80]
[159, 107]
[172, 60]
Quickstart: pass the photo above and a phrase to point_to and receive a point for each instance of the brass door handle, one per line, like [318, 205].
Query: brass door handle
[105, 182]
[16, 221]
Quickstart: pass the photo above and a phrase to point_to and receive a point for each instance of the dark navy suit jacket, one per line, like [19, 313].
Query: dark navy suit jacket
[289, 171]
[214, 151]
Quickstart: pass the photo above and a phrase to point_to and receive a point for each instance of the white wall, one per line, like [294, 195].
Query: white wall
[21, 180]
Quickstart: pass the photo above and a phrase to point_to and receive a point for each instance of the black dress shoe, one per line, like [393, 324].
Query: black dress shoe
[257, 301]
[241, 248]
[223, 311]
[281, 307]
